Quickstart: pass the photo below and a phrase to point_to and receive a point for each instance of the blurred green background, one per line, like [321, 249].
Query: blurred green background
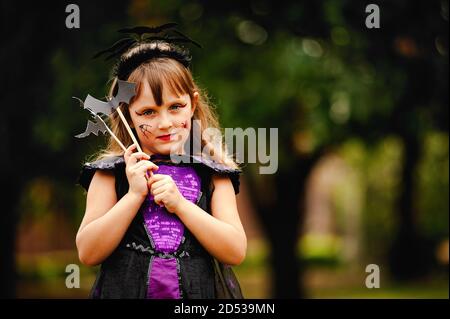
[362, 116]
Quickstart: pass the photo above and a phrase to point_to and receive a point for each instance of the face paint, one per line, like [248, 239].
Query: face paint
[182, 124]
[145, 128]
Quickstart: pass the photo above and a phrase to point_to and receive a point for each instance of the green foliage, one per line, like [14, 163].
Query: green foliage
[432, 190]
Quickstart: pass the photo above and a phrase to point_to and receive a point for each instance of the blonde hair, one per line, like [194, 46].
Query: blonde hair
[157, 72]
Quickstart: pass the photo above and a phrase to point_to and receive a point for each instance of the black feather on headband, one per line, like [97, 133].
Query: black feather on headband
[137, 36]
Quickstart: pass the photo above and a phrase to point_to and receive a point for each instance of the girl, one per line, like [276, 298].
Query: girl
[161, 228]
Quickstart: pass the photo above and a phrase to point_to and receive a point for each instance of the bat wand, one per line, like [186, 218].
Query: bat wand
[95, 127]
[125, 92]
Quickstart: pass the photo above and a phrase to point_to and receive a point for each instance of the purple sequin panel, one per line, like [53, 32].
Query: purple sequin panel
[166, 231]
[165, 228]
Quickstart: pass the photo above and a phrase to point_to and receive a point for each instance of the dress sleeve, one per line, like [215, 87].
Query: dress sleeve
[221, 169]
[88, 169]
[234, 175]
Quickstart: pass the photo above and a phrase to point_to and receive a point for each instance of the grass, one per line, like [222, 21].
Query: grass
[43, 276]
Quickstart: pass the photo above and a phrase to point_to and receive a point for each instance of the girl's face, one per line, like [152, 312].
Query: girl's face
[162, 129]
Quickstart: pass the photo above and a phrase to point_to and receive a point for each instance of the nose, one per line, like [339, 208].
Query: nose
[165, 122]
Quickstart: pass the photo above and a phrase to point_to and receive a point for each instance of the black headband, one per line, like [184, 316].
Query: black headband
[137, 36]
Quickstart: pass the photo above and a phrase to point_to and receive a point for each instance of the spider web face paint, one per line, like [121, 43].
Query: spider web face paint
[145, 129]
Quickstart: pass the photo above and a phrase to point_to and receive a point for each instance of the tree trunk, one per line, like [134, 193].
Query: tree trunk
[410, 256]
[281, 221]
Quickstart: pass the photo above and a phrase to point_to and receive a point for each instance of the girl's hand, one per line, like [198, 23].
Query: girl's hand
[165, 192]
[137, 165]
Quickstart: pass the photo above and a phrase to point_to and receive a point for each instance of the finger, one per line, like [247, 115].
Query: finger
[160, 183]
[146, 163]
[159, 190]
[138, 156]
[128, 152]
[141, 168]
[156, 177]
[149, 172]
[159, 199]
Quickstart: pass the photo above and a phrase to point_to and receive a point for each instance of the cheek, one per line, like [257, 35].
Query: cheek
[183, 123]
[185, 118]
[185, 128]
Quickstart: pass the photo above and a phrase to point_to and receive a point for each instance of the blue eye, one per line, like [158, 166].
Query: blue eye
[177, 106]
[148, 112]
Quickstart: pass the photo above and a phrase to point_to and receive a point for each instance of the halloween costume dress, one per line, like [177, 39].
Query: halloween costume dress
[158, 257]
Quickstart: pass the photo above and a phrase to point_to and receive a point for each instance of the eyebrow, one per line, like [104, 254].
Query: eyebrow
[170, 103]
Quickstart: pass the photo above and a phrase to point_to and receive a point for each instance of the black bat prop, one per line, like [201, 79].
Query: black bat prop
[93, 128]
[124, 94]
[98, 125]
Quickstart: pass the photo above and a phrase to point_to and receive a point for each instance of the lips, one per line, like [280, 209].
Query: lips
[166, 137]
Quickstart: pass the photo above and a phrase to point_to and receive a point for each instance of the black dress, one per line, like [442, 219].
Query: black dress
[125, 273]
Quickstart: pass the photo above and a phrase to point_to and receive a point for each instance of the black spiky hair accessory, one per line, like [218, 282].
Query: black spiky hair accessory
[163, 34]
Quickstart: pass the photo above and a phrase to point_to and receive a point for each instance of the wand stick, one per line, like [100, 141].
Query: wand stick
[130, 132]
[112, 134]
